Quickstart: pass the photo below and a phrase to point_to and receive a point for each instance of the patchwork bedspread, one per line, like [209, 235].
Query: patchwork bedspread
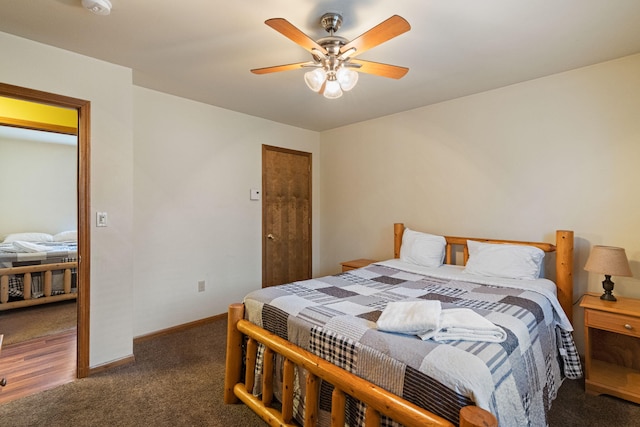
[57, 252]
[335, 317]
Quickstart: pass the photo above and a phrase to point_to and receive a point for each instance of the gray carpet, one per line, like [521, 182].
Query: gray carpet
[178, 379]
[574, 408]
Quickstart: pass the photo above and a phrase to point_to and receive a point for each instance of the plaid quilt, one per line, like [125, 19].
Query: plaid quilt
[335, 317]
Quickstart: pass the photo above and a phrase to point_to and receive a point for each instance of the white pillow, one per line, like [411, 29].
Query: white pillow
[66, 236]
[29, 237]
[422, 248]
[504, 260]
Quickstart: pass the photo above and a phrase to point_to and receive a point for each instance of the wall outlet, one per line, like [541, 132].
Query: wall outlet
[201, 286]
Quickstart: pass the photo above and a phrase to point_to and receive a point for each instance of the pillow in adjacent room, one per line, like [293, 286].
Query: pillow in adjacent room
[422, 248]
[66, 236]
[28, 237]
[504, 260]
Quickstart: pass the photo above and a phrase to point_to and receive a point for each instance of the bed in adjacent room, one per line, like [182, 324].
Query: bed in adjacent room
[414, 339]
[37, 268]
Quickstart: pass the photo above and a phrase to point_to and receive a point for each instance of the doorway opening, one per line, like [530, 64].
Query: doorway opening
[83, 202]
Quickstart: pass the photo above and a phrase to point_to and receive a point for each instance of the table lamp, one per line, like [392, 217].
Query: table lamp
[610, 261]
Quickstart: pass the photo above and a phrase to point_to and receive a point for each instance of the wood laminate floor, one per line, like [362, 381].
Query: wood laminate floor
[37, 365]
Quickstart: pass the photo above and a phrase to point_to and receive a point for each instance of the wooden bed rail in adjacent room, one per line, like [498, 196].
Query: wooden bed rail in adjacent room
[377, 400]
[27, 272]
[563, 249]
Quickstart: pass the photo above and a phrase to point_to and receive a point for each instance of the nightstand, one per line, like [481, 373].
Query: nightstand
[612, 346]
[356, 263]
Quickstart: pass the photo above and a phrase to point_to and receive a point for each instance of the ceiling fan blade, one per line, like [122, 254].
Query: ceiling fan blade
[379, 69]
[288, 30]
[379, 34]
[274, 69]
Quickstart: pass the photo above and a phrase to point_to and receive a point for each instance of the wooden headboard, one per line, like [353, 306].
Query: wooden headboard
[563, 249]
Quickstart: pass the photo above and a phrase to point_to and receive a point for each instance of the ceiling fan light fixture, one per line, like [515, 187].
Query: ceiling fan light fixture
[332, 89]
[347, 78]
[332, 56]
[314, 79]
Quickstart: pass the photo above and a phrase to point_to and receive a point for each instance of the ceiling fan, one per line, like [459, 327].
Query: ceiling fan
[334, 64]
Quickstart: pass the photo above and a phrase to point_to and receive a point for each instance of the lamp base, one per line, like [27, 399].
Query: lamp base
[607, 285]
[608, 297]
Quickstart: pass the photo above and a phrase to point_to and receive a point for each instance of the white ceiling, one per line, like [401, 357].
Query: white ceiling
[203, 49]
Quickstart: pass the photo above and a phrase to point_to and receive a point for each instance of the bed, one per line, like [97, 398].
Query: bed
[314, 352]
[37, 268]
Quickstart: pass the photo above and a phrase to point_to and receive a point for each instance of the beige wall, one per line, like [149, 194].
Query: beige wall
[108, 87]
[560, 152]
[34, 174]
[194, 167]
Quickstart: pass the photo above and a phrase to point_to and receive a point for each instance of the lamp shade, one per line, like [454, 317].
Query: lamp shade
[608, 260]
[314, 79]
[332, 89]
[347, 78]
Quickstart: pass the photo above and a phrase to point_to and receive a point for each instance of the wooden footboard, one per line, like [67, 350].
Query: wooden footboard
[377, 400]
[47, 277]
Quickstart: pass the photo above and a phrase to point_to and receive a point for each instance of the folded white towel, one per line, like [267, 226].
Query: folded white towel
[21, 246]
[466, 324]
[410, 317]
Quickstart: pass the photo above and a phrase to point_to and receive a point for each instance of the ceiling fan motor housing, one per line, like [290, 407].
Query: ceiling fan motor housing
[332, 44]
[332, 61]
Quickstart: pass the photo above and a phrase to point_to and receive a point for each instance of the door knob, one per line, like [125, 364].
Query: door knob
[270, 236]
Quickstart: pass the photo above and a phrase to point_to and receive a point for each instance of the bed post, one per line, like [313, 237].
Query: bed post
[564, 270]
[398, 230]
[233, 364]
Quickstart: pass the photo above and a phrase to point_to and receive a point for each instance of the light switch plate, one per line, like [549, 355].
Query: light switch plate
[101, 219]
[254, 194]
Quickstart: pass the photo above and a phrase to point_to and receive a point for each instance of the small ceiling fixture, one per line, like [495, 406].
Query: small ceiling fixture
[335, 68]
[99, 7]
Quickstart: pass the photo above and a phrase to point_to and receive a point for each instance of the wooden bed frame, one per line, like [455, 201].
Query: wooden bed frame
[377, 400]
[47, 270]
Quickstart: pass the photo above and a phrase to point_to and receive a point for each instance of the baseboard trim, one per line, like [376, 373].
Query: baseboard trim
[132, 359]
[179, 328]
[113, 364]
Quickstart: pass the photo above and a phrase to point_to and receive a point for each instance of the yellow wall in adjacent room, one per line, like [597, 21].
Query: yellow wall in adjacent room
[35, 112]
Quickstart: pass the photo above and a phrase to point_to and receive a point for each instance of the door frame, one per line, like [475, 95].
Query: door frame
[83, 108]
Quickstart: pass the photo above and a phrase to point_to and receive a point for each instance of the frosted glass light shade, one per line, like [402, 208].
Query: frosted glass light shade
[332, 89]
[314, 79]
[347, 78]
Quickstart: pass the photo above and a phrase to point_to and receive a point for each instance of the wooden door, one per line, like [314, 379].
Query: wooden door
[286, 215]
